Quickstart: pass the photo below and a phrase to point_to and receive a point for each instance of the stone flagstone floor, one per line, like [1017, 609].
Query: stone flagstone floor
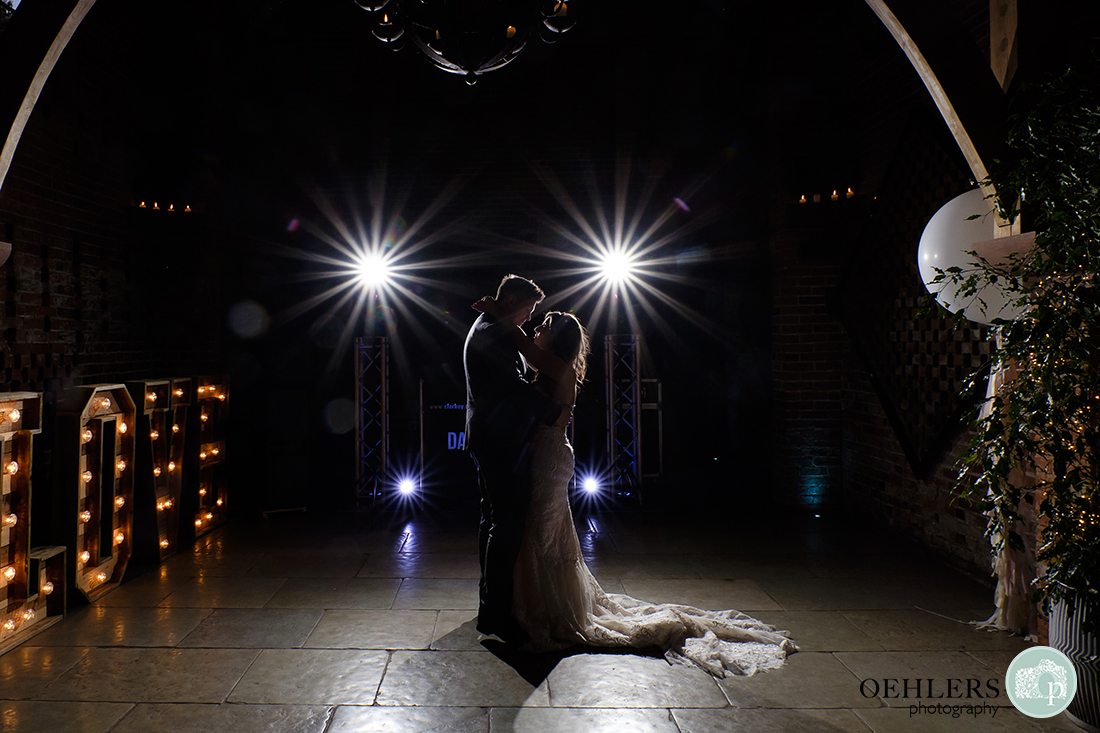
[301, 624]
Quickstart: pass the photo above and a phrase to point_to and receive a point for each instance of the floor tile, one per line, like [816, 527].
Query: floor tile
[214, 563]
[152, 675]
[576, 720]
[335, 593]
[146, 591]
[217, 592]
[457, 678]
[750, 566]
[377, 629]
[809, 680]
[435, 593]
[444, 542]
[643, 566]
[312, 677]
[596, 544]
[974, 720]
[914, 630]
[742, 595]
[34, 716]
[611, 585]
[236, 718]
[308, 564]
[254, 628]
[455, 631]
[822, 631]
[735, 720]
[931, 671]
[845, 594]
[630, 681]
[377, 719]
[121, 626]
[876, 564]
[27, 670]
[421, 565]
[996, 660]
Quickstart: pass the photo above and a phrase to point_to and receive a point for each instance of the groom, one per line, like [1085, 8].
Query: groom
[501, 410]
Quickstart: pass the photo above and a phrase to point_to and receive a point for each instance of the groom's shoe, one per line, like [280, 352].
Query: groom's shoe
[506, 629]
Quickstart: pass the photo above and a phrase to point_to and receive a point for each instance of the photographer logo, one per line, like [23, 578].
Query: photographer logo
[1041, 682]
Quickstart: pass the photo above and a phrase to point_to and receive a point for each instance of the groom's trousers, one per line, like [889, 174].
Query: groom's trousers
[505, 482]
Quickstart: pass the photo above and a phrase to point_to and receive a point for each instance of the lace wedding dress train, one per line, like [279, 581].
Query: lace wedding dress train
[559, 604]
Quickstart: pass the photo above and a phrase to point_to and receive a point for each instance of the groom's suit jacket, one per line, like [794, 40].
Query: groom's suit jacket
[501, 407]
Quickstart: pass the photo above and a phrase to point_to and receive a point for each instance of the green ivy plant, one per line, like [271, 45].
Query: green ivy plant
[1046, 416]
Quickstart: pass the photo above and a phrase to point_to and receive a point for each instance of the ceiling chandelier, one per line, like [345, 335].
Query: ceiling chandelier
[468, 37]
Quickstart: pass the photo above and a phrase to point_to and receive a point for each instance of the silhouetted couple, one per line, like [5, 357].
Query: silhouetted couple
[536, 591]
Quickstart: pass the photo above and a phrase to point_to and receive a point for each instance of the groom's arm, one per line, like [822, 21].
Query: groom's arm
[500, 369]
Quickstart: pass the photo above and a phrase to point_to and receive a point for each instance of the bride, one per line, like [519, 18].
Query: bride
[557, 601]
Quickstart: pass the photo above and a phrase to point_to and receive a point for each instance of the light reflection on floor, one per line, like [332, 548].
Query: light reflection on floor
[361, 623]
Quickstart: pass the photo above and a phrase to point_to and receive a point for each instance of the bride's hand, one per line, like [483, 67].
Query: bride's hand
[487, 305]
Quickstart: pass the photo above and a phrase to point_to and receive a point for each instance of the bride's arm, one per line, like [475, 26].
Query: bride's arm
[541, 359]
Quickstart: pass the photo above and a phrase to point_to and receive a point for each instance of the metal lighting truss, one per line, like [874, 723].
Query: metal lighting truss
[372, 418]
[623, 419]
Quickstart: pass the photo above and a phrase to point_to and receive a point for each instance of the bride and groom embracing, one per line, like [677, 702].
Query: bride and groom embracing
[536, 591]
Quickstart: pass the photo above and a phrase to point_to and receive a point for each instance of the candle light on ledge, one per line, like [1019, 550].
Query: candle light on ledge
[850, 193]
[835, 196]
[171, 207]
[141, 205]
[803, 199]
[187, 209]
[155, 207]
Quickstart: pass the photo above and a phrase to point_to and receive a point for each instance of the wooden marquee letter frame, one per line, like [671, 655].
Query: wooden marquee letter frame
[93, 484]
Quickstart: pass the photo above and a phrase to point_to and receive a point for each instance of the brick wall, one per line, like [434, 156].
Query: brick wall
[73, 291]
[865, 388]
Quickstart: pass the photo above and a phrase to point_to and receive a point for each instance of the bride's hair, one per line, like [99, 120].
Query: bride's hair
[570, 341]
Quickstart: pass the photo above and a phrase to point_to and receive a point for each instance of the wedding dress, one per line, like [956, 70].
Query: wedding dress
[559, 604]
